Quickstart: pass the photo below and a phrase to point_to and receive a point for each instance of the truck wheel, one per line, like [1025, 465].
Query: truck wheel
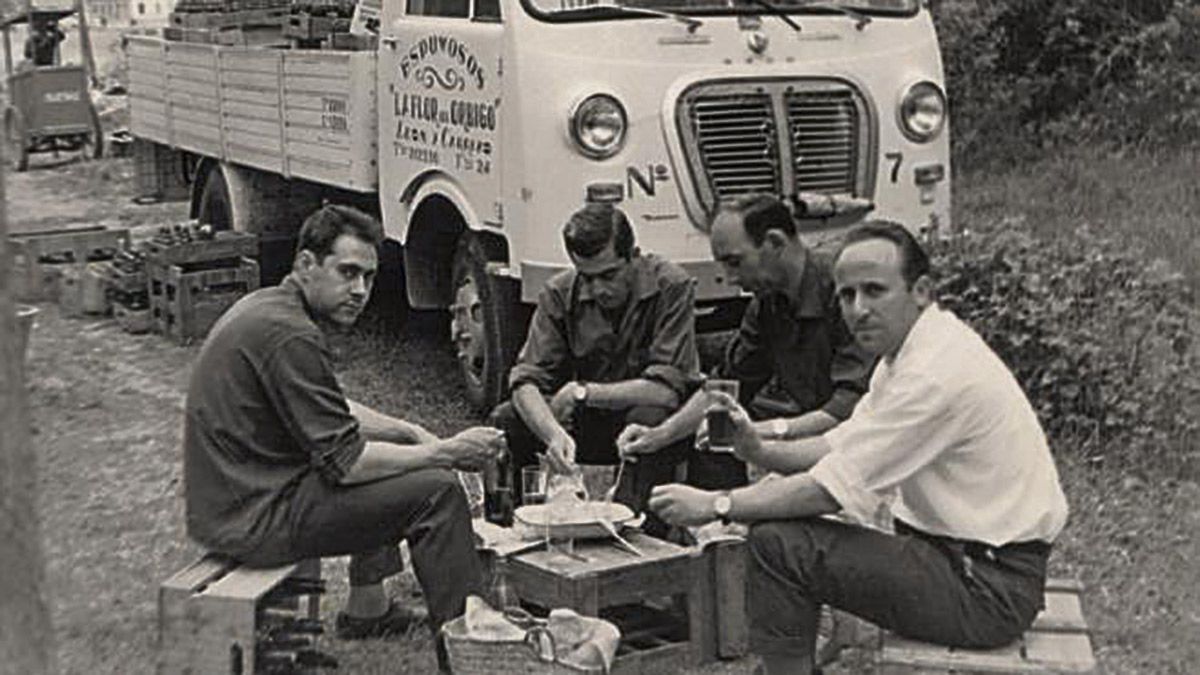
[487, 324]
[215, 208]
[15, 142]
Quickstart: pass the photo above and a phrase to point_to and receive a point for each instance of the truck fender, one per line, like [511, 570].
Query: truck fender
[435, 216]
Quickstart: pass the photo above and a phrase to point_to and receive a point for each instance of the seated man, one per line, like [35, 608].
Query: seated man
[612, 342]
[279, 466]
[946, 425]
[791, 336]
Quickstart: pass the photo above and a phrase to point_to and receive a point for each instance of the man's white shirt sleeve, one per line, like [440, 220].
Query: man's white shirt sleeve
[885, 442]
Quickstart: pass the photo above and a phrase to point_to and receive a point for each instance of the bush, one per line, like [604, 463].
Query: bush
[1025, 74]
[1101, 343]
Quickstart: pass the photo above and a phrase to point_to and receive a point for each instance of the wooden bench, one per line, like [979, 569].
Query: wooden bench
[1058, 642]
[212, 614]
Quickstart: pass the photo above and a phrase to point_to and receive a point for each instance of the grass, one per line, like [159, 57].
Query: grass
[106, 409]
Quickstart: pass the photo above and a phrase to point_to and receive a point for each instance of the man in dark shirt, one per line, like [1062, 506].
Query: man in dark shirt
[612, 342]
[799, 368]
[279, 466]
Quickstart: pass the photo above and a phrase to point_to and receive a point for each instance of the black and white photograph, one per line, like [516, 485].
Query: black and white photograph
[600, 337]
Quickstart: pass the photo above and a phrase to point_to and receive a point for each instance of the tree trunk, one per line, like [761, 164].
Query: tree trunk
[26, 637]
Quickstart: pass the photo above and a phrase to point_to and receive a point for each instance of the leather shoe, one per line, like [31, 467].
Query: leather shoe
[395, 621]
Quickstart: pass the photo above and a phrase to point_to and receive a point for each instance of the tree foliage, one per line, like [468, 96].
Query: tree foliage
[1024, 74]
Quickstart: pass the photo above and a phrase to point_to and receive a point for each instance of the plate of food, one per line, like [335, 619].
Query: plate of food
[575, 519]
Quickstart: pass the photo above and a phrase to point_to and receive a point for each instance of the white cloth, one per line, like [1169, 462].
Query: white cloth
[946, 425]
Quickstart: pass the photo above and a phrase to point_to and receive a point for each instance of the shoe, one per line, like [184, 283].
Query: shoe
[395, 621]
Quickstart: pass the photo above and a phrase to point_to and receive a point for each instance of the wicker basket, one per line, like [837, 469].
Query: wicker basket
[515, 657]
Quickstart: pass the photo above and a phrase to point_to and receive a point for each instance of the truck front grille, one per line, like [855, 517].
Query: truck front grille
[781, 136]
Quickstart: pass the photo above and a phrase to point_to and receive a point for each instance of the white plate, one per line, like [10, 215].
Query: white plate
[574, 519]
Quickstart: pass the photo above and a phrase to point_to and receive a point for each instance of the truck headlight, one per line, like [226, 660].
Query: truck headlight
[598, 126]
[922, 112]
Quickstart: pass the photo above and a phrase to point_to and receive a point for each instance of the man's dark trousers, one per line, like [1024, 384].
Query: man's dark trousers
[595, 433]
[426, 508]
[935, 589]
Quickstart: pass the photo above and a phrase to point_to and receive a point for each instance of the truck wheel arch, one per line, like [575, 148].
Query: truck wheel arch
[257, 201]
[437, 214]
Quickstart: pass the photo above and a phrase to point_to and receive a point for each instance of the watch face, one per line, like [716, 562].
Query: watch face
[580, 392]
[722, 505]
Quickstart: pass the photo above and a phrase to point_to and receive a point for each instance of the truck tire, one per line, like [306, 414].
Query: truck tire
[487, 323]
[215, 208]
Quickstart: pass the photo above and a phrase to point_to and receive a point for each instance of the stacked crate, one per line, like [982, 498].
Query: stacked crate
[194, 276]
[43, 259]
[125, 288]
[217, 616]
[228, 22]
[161, 172]
[314, 23]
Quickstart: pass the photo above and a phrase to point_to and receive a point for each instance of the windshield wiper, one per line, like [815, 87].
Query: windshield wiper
[776, 11]
[692, 23]
[860, 19]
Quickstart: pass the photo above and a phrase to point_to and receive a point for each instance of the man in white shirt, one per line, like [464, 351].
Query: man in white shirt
[945, 426]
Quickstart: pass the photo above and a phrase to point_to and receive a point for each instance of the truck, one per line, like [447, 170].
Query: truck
[473, 128]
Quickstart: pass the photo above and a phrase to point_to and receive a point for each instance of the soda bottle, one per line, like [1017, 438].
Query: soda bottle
[501, 595]
[498, 492]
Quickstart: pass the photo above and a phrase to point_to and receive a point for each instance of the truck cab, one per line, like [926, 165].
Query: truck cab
[498, 118]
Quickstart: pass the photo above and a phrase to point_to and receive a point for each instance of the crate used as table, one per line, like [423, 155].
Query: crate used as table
[606, 580]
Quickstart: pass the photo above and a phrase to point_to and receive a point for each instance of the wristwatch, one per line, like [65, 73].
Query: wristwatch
[779, 428]
[722, 505]
[581, 393]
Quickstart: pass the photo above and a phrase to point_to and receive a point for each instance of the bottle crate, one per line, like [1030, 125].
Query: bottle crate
[40, 258]
[184, 303]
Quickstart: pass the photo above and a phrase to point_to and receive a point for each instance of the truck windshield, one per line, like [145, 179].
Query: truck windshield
[584, 10]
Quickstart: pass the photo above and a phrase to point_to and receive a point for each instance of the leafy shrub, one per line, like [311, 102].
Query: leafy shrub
[1101, 343]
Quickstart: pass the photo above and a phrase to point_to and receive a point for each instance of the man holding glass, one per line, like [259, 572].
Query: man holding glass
[792, 363]
[612, 342]
[946, 428]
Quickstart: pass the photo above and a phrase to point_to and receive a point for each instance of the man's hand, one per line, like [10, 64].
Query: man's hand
[562, 404]
[682, 505]
[560, 452]
[472, 449]
[747, 444]
[637, 439]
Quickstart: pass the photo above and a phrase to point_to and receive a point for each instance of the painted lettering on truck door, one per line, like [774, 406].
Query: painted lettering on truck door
[440, 104]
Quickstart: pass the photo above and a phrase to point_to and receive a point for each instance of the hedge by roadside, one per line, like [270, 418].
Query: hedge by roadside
[1100, 341]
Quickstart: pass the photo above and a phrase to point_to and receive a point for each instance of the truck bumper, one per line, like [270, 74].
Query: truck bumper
[710, 279]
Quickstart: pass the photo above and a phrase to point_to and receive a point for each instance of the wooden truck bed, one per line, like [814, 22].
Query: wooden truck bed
[299, 113]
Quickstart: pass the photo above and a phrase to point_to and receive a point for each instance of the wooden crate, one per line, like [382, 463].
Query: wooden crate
[35, 280]
[309, 27]
[185, 304]
[725, 572]
[1058, 642]
[210, 614]
[160, 172]
[227, 246]
[621, 587]
[134, 320]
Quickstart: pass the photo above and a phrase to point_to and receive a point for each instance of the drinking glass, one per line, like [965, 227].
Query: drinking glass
[720, 424]
[533, 485]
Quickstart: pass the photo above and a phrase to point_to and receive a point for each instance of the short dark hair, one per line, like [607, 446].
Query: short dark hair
[759, 212]
[589, 230]
[914, 262]
[321, 229]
